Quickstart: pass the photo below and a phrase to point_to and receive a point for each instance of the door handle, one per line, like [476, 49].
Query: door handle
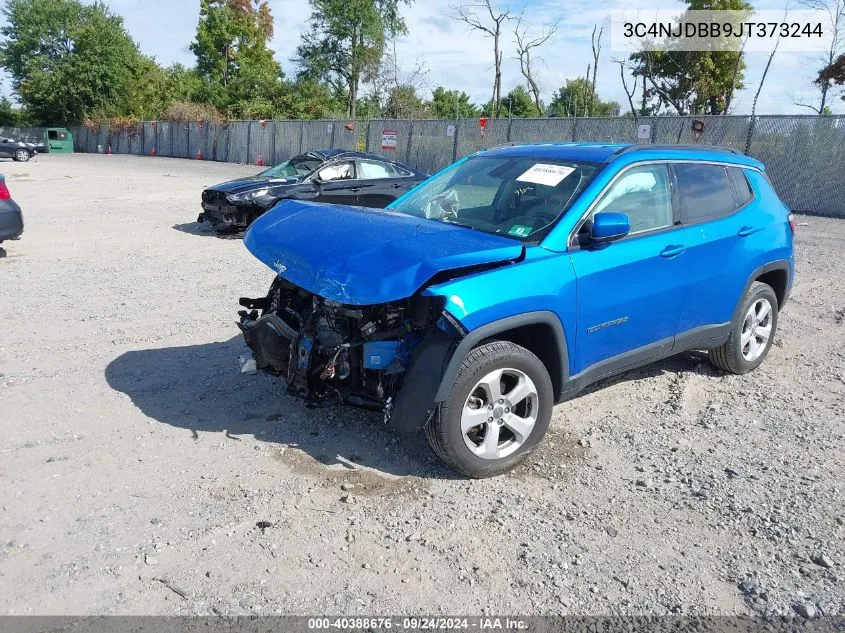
[673, 250]
[745, 231]
[355, 189]
[396, 185]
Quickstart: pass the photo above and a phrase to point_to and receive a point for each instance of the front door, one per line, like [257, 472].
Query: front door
[338, 184]
[630, 292]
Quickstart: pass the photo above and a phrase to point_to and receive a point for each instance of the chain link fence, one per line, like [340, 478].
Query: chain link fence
[804, 155]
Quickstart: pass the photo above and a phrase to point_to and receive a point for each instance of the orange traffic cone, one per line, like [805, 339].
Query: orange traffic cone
[199, 154]
[153, 152]
[110, 149]
[260, 162]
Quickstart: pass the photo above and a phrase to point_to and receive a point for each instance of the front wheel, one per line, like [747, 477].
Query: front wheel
[752, 332]
[21, 155]
[497, 412]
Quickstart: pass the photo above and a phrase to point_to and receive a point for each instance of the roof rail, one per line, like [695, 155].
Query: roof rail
[718, 148]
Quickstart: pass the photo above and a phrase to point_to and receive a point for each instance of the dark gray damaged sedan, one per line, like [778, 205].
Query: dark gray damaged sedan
[11, 218]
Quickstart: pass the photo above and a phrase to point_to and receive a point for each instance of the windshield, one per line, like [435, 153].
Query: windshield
[296, 167]
[520, 197]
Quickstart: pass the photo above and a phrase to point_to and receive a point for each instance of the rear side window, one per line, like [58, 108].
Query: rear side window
[704, 191]
[743, 188]
[373, 170]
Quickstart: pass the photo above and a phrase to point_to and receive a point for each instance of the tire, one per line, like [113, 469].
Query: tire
[21, 156]
[506, 364]
[746, 347]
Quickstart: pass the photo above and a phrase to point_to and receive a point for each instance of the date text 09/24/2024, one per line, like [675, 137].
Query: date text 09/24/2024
[419, 623]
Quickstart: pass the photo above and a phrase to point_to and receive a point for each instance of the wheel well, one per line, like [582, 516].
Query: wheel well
[540, 340]
[777, 279]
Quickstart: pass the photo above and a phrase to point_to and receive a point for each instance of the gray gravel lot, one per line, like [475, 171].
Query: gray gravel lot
[140, 473]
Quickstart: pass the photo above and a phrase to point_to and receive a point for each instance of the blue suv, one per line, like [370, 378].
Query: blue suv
[513, 279]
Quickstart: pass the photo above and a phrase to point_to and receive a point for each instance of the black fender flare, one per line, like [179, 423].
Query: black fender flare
[435, 363]
[778, 264]
[490, 330]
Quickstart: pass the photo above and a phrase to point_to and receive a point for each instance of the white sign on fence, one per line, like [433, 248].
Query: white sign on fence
[450, 130]
[388, 139]
[644, 131]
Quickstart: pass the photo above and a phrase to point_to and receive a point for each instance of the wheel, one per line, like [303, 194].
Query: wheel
[21, 155]
[497, 411]
[752, 332]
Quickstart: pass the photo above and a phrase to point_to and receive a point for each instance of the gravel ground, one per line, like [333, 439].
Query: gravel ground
[142, 474]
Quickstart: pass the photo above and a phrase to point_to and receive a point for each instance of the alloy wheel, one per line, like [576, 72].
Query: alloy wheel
[499, 413]
[756, 330]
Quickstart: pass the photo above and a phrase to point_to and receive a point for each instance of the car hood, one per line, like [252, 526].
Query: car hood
[253, 182]
[359, 256]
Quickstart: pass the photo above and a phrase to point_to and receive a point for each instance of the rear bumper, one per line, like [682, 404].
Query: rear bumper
[11, 220]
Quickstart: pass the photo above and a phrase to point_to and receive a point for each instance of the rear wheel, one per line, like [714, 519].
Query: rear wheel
[21, 156]
[752, 332]
[497, 412]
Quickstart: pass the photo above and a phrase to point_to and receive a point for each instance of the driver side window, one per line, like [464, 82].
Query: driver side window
[338, 171]
[642, 193]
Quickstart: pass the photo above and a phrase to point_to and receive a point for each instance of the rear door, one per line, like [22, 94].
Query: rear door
[379, 183]
[716, 208]
[630, 292]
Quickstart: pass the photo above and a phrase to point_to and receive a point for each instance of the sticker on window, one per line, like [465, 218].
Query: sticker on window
[519, 230]
[545, 174]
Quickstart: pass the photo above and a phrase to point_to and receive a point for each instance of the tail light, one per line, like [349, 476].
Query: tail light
[791, 219]
[4, 190]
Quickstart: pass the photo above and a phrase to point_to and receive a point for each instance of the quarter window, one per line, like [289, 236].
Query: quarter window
[704, 191]
[743, 189]
[642, 193]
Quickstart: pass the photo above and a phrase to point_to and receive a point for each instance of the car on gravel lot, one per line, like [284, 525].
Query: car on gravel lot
[332, 175]
[11, 218]
[513, 279]
[16, 150]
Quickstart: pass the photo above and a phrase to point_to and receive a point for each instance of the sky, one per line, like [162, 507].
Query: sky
[457, 58]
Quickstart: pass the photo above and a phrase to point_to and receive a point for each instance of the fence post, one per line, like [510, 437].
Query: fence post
[574, 128]
[751, 125]
[272, 157]
[410, 142]
[367, 138]
[508, 133]
[301, 135]
[334, 129]
[455, 141]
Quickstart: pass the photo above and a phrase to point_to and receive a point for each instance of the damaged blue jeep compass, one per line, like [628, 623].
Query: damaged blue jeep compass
[514, 278]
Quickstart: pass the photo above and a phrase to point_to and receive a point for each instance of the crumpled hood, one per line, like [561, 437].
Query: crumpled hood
[359, 256]
[253, 182]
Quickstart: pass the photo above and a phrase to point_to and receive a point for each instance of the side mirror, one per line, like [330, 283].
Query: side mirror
[608, 227]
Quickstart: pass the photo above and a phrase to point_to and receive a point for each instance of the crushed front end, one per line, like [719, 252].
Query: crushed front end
[232, 213]
[355, 354]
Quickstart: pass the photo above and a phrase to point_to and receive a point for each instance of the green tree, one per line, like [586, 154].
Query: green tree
[8, 115]
[450, 104]
[69, 59]
[309, 99]
[236, 68]
[517, 104]
[403, 102]
[832, 74]
[692, 82]
[346, 40]
[577, 98]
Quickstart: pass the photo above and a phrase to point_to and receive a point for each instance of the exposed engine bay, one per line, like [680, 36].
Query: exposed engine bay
[323, 350]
